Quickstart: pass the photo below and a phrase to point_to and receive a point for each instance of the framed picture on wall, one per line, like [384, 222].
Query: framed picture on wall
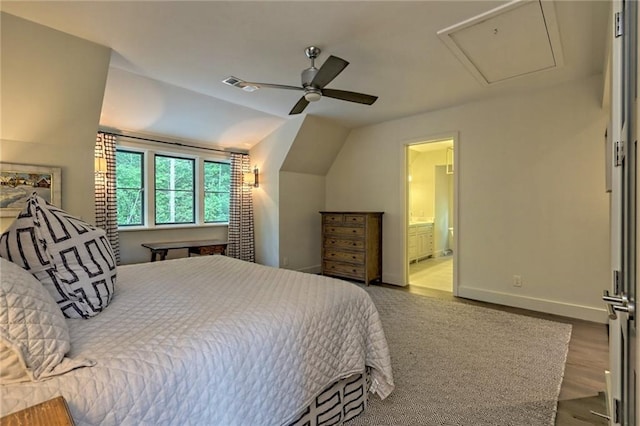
[19, 181]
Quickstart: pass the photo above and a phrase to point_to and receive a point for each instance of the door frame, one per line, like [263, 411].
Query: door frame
[622, 395]
[456, 204]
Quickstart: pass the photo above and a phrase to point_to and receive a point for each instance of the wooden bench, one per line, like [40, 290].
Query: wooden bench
[194, 247]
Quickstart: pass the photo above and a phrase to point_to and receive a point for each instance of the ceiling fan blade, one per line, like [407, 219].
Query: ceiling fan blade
[344, 95]
[328, 71]
[300, 106]
[269, 85]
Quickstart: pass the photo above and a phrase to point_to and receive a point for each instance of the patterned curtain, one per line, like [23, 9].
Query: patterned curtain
[241, 243]
[105, 183]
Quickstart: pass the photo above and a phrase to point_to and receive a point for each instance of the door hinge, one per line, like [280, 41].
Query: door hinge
[618, 25]
[618, 146]
[617, 282]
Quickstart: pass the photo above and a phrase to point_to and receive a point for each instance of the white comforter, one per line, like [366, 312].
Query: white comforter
[214, 341]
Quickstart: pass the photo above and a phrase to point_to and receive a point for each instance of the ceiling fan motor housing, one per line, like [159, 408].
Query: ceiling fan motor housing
[308, 75]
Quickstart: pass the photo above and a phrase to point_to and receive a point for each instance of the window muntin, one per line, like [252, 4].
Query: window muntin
[217, 183]
[174, 190]
[130, 187]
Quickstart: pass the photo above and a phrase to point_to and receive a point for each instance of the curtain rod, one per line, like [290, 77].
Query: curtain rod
[171, 143]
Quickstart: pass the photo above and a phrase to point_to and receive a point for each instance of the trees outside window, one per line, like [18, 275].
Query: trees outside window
[182, 190]
[130, 187]
[217, 182]
[174, 190]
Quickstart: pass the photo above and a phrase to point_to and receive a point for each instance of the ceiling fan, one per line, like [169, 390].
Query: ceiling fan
[314, 81]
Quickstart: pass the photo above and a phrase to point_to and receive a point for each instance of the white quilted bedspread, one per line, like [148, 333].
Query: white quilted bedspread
[214, 341]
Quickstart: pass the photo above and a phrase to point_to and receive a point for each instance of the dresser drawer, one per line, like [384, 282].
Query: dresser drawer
[345, 256]
[343, 230]
[343, 269]
[355, 219]
[343, 243]
[333, 218]
[346, 219]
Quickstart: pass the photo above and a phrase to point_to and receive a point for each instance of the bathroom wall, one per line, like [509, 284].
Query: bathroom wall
[422, 185]
[443, 204]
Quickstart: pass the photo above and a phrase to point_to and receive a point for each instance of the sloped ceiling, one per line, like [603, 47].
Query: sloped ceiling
[315, 147]
[185, 48]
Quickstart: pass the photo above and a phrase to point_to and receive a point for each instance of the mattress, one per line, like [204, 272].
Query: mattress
[217, 341]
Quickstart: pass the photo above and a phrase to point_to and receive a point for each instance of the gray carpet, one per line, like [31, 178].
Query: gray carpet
[458, 364]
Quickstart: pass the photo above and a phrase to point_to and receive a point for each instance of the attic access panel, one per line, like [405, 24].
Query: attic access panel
[513, 40]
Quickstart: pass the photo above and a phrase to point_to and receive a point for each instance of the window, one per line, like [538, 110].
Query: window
[156, 189]
[174, 190]
[217, 182]
[130, 187]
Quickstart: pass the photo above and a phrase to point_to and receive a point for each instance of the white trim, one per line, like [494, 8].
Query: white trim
[452, 135]
[570, 310]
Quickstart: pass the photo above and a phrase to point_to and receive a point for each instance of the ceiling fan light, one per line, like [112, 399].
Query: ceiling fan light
[312, 96]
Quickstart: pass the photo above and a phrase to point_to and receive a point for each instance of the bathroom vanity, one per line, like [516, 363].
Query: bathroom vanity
[420, 240]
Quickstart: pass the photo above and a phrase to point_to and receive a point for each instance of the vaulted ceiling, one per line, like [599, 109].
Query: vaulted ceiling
[169, 57]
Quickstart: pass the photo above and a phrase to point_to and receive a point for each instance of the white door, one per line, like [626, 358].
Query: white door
[621, 142]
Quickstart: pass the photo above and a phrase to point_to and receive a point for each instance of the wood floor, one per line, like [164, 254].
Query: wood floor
[583, 384]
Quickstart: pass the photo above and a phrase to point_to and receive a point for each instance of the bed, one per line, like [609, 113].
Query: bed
[218, 341]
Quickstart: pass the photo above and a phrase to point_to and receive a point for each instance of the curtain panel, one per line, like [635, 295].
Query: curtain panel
[105, 191]
[241, 232]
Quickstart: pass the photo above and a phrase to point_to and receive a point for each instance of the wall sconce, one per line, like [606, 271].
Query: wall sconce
[251, 178]
[100, 165]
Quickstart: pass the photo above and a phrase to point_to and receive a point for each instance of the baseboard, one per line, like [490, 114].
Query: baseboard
[586, 313]
[315, 269]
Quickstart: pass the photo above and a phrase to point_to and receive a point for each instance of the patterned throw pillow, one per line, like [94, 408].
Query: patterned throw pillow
[34, 336]
[72, 258]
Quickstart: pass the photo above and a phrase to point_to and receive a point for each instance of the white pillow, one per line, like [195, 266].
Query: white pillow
[34, 336]
[72, 258]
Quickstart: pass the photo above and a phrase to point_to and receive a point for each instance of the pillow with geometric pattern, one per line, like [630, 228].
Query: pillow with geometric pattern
[70, 257]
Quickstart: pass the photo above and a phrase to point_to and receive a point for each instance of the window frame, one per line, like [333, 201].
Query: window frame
[142, 188]
[149, 152]
[205, 192]
[193, 191]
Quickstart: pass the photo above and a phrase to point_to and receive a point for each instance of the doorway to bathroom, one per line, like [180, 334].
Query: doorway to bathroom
[431, 214]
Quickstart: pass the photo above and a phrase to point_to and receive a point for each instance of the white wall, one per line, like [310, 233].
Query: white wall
[301, 199]
[293, 161]
[531, 195]
[422, 185]
[131, 250]
[52, 87]
[269, 155]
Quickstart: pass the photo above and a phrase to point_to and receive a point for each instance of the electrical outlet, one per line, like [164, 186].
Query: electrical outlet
[517, 281]
[285, 261]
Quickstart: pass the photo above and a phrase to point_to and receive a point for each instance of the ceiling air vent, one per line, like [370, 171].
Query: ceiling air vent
[232, 81]
[513, 40]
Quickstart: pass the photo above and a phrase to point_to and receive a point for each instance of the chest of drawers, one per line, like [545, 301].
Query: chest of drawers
[352, 245]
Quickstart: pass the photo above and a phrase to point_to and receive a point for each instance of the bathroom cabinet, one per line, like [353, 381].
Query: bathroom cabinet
[420, 241]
